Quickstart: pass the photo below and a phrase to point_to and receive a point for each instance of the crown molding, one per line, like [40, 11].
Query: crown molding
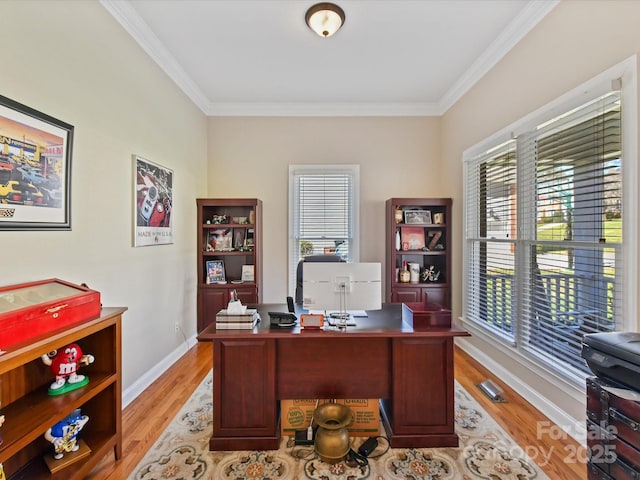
[302, 109]
[530, 16]
[129, 19]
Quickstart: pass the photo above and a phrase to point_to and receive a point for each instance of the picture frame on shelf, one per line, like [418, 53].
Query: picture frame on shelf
[215, 272]
[35, 168]
[248, 273]
[239, 237]
[250, 238]
[413, 237]
[417, 217]
[221, 239]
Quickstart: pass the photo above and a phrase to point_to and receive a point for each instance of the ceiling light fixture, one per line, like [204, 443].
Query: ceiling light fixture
[325, 18]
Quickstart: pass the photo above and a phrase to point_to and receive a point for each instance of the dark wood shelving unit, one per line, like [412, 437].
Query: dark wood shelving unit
[30, 411]
[214, 297]
[438, 256]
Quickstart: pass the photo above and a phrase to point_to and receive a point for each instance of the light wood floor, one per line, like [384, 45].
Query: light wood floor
[148, 415]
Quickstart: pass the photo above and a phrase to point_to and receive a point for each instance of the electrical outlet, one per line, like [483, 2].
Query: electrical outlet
[176, 327]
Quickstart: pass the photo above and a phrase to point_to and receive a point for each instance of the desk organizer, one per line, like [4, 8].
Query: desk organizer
[425, 315]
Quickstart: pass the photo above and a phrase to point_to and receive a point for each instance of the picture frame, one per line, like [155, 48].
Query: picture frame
[239, 235]
[215, 272]
[413, 238]
[250, 240]
[35, 169]
[153, 203]
[221, 239]
[415, 217]
[248, 273]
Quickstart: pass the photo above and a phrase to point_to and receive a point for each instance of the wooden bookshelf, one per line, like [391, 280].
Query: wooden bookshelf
[30, 411]
[241, 246]
[423, 226]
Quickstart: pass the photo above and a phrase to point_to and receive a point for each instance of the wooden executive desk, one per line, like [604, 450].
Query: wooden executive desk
[410, 371]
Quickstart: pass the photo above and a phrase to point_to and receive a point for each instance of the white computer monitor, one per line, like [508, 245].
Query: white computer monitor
[340, 287]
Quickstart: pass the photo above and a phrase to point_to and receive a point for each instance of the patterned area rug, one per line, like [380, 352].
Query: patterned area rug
[485, 452]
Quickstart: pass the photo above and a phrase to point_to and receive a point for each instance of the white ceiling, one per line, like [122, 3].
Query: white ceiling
[391, 57]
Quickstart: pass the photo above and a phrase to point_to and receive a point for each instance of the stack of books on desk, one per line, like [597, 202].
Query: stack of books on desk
[235, 321]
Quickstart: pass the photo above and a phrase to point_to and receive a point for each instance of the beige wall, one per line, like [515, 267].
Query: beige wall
[576, 41]
[72, 60]
[398, 157]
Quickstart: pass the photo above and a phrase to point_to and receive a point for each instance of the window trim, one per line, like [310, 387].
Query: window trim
[627, 72]
[297, 169]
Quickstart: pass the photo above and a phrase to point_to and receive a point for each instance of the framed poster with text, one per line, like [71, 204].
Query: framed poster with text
[153, 201]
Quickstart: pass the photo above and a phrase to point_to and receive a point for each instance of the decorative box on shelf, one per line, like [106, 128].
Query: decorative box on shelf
[31, 309]
[426, 315]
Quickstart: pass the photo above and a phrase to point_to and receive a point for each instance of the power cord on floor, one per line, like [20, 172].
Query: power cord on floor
[365, 452]
[355, 459]
[386, 449]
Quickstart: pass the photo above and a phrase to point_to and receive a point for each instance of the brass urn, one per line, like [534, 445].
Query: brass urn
[332, 436]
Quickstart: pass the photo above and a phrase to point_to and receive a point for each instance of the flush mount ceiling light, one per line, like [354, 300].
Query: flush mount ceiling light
[325, 18]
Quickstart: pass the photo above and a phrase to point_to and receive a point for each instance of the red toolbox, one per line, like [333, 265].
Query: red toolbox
[32, 309]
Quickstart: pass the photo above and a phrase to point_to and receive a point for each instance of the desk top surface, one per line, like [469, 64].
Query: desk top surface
[386, 322]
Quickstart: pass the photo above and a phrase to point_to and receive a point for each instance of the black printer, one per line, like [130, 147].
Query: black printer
[614, 356]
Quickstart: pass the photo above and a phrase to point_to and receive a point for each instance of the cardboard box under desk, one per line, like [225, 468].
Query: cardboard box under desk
[297, 414]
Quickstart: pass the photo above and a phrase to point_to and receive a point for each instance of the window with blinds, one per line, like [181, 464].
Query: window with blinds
[491, 235]
[543, 235]
[323, 212]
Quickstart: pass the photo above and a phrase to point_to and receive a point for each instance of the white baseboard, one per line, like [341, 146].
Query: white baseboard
[148, 378]
[530, 394]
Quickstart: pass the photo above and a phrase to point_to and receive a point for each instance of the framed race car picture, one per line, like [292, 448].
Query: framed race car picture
[215, 272]
[35, 169]
[153, 201]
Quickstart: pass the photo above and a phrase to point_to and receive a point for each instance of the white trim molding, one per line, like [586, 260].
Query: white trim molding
[133, 391]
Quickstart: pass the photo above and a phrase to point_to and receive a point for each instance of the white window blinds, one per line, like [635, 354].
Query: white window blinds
[491, 234]
[323, 212]
[544, 234]
[575, 249]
